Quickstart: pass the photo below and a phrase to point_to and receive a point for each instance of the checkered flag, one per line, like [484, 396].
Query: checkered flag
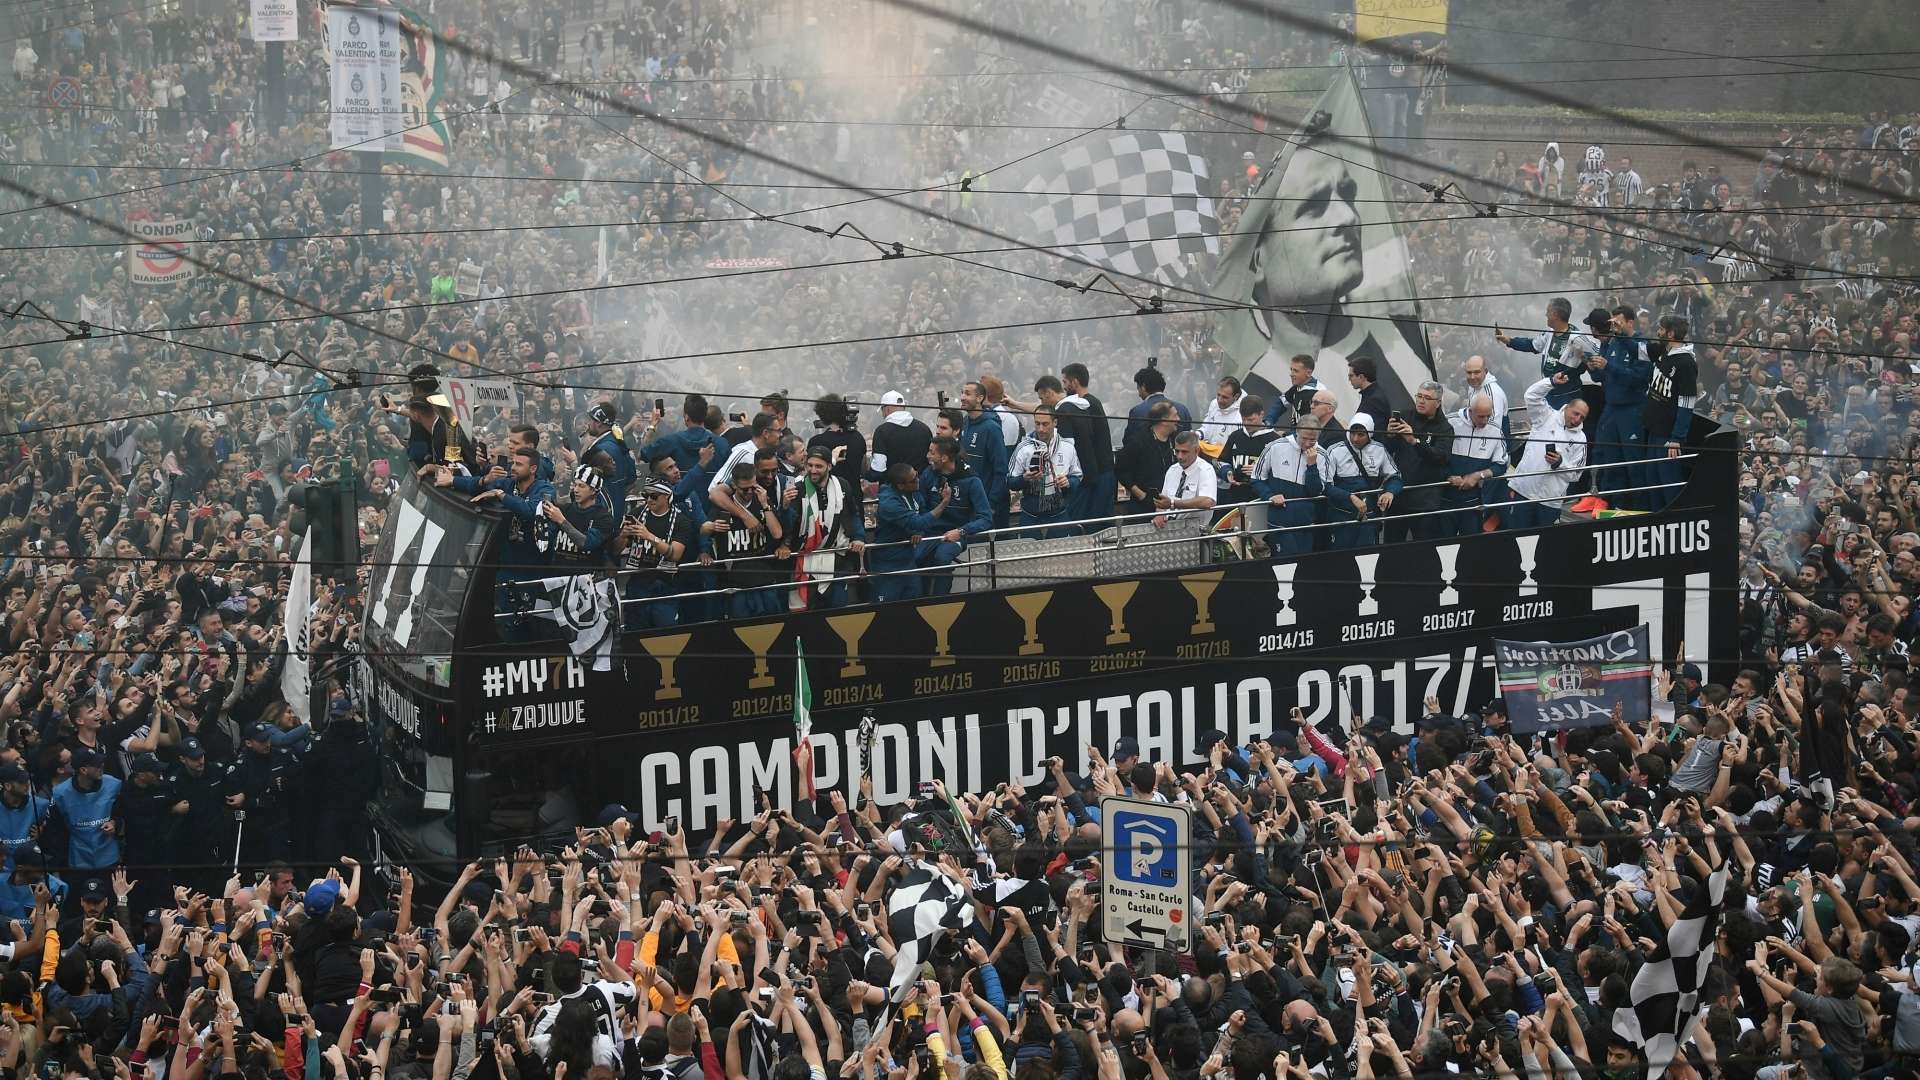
[1665, 1000]
[926, 904]
[1134, 202]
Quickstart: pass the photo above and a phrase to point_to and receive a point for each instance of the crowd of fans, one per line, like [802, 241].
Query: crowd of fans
[1461, 900]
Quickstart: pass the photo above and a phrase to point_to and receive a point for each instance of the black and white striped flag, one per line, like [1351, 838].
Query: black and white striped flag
[1665, 1000]
[926, 904]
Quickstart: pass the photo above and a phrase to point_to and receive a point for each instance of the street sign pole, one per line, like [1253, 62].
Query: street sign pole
[1146, 881]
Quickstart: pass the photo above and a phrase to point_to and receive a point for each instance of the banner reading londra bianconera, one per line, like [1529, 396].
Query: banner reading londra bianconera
[1556, 686]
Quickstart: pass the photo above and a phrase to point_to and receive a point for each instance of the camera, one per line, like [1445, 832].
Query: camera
[1546, 983]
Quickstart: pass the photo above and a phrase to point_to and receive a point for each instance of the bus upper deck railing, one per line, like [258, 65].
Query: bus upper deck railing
[1189, 529]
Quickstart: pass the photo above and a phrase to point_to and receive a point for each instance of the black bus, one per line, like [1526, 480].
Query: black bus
[1040, 652]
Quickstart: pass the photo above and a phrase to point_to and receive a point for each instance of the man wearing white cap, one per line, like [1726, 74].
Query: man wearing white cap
[900, 439]
[1362, 482]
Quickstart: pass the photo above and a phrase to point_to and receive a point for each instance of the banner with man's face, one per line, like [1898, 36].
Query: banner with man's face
[1321, 270]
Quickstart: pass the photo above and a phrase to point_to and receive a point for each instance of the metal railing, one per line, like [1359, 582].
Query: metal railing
[1113, 534]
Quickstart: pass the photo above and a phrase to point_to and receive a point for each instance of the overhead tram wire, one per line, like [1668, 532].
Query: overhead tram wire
[1681, 241]
[1244, 92]
[297, 163]
[1535, 91]
[543, 381]
[103, 334]
[472, 52]
[1691, 243]
[829, 76]
[774, 159]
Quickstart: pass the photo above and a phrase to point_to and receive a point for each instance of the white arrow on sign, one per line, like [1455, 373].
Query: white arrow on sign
[1147, 885]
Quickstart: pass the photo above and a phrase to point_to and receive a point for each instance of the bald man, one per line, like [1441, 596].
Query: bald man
[1480, 379]
[1476, 461]
[1321, 416]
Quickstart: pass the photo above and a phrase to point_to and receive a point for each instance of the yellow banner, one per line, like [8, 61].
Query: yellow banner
[1376, 19]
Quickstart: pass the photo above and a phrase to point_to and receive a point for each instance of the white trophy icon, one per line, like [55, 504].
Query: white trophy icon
[1366, 564]
[1283, 575]
[1528, 586]
[1449, 559]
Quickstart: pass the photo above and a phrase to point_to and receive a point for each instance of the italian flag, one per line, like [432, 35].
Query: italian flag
[802, 721]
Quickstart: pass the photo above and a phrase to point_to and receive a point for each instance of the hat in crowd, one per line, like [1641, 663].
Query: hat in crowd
[321, 896]
[601, 413]
[1598, 319]
[1496, 707]
[190, 748]
[1363, 421]
[658, 487]
[258, 732]
[86, 757]
[1204, 744]
[893, 397]
[1124, 747]
[587, 475]
[93, 889]
[145, 763]
[611, 813]
[13, 772]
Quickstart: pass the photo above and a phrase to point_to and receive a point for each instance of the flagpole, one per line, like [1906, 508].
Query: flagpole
[802, 724]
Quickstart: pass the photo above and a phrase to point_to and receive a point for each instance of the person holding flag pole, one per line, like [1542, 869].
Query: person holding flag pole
[803, 723]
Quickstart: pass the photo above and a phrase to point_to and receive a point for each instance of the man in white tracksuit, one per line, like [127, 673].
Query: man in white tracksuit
[1555, 457]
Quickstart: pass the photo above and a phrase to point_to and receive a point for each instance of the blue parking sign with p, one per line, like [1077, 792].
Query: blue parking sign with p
[1146, 849]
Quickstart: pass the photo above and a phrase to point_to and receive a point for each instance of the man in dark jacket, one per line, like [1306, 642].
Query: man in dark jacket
[257, 787]
[1082, 418]
[204, 823]
[1363, 374]
[1422, 447]
[147, 805]
[1144, 458]
[899, 440]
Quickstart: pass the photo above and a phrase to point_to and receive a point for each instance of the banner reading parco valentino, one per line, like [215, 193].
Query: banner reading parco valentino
[1551, 686]
[363, 53]
[275, 20]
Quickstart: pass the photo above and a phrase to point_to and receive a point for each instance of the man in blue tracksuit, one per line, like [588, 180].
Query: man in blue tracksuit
[965, 511]
[21, 815]
[683, 446]
[985, 447]
[1288, 477]
[520, 495]
[85, 804]
[1623, 369]
[898, 522]
[606, 436]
